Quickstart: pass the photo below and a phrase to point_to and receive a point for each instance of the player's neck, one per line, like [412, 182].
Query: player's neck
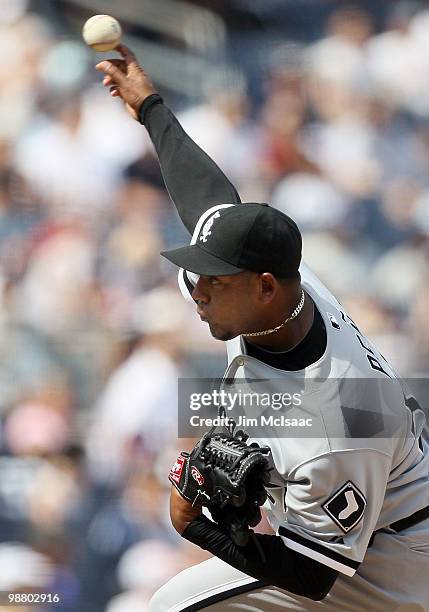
[291, 334]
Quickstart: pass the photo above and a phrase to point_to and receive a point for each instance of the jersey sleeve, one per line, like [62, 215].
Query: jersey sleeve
[332, 505]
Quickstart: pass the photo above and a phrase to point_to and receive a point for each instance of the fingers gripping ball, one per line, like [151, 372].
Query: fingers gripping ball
[102, 32]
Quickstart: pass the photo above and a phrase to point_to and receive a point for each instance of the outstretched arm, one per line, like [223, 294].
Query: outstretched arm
[194, 181]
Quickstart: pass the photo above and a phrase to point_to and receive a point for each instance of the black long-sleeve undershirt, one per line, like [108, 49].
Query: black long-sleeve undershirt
[266, 558]
[193, 180]
[195, 183]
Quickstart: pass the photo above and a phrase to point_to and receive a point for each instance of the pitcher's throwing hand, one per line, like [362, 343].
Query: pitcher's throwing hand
[127, 80]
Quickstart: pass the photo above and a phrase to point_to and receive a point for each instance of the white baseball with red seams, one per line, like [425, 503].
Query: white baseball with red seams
[102, 32]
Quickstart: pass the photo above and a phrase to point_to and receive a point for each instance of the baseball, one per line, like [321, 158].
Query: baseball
[102, 32]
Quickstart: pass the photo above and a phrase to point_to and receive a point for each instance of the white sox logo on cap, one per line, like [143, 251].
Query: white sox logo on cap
[206, 231]
[250, 237]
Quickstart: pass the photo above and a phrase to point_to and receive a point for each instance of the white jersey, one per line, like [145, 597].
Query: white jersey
[331, 492]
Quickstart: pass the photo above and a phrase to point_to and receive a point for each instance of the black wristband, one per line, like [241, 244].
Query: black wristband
[147, 103]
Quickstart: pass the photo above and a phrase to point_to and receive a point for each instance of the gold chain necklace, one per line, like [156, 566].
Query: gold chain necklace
[294, 314]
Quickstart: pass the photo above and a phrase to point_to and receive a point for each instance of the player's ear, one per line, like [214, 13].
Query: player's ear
[268, 287]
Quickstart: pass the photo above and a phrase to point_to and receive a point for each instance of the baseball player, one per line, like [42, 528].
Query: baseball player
[349, 511]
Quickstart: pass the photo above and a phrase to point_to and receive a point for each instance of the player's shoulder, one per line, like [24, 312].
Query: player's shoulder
[349, 352]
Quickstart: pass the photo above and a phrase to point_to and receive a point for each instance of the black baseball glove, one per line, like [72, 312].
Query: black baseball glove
[228, 476]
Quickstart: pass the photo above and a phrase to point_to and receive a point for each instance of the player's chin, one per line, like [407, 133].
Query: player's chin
[221, 333]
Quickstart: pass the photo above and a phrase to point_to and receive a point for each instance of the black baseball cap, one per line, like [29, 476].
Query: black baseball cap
[233, 239]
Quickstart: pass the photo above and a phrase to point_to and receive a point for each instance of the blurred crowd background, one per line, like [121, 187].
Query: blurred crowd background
[318, 107]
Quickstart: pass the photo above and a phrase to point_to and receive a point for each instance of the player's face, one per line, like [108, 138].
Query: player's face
[231, 305]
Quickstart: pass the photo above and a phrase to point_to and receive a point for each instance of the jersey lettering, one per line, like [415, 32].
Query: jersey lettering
[350, 321]
[372, 360]
[376, 365]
